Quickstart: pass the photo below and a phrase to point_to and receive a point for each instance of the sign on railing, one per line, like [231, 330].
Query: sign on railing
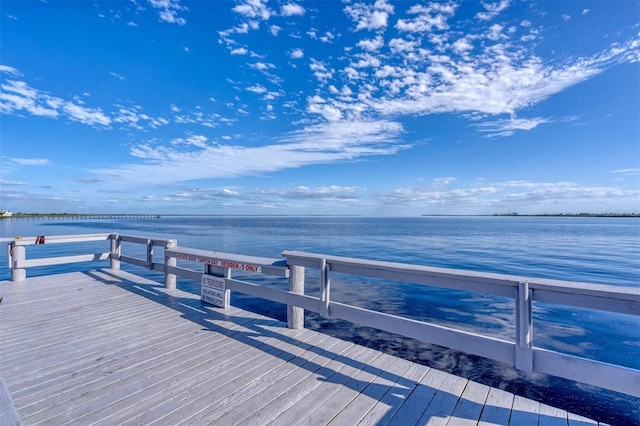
[213, 290]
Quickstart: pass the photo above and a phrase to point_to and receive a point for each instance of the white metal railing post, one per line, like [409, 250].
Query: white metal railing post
[150, 254]
[524, 328]
[114, 251]
[170, 261]
[295, 314]
[219, 271]
[325, 288]
[18, 255]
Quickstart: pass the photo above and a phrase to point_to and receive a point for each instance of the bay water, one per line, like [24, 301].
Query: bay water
[594, 250]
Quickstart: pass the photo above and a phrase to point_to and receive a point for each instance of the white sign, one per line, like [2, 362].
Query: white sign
[222, 263]
[213, 290]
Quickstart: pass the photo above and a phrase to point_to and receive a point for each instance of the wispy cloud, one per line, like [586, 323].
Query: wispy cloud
[492, 9]
[9, 70]
[630, 172]
[19, 96]
[508, 194]
[12, 183]
[30, 161]
[507, 127]
[168, 11]
[317, 144]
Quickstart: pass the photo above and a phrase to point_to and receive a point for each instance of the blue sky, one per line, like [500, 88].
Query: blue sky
[320, 107]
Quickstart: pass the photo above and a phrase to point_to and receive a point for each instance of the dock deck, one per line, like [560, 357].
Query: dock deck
[109, 347]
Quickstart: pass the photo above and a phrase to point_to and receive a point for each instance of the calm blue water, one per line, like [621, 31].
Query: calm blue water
[594, 250]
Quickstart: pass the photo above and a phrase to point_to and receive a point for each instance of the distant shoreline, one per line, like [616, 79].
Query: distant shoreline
[157, 216]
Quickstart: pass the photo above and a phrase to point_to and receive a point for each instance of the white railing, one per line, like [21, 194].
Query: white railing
[520, 353]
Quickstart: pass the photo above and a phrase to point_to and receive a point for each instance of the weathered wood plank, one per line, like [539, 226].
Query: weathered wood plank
[444, 401]
[185, 368]
[158, 393]
[415, 405]
[407, 374]
[307, 362]
[8, 413]
[552, 416]
[470, 404]
[497, 409]
[253, 388]
[156, 361]
[342, 395]
[576, 420]
[365, 400]
[524, 411]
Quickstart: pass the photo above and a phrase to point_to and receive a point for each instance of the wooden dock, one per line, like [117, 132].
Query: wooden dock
[108, 347]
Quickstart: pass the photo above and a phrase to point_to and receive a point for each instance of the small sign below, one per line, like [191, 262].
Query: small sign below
[213, 290]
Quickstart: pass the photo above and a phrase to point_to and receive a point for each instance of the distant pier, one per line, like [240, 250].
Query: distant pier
[49, 216]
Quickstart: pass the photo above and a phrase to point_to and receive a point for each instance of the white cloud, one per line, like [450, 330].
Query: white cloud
[327, 37]
[168, 10]
[115, 75]
[400, 45]
[371, 45]
[495, 32]
[12, 183]
[256, 88]
[565, 17]
[433, 15]
[326, 193]
[274, 30]
[320, 71]
[633, 171]
[86, 115]
[500, 78]
[18, 95]
[509, 126]
[262, 66]
[369, 16]
[239, 51]
[585, 11]
[505, 195]
[316, 144]
[296, 54]
[30, 161]
[462, 45]
[198, 141]
[492, 10]
[132, 24]
[9, 70]
[253, 9]
[292, 9]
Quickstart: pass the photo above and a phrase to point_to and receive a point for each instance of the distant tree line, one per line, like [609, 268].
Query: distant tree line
[572, 214]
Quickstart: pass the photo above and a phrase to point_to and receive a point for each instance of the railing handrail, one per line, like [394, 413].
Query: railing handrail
[478, 282]
[523, 290]
[264, 265]
[54, 239]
